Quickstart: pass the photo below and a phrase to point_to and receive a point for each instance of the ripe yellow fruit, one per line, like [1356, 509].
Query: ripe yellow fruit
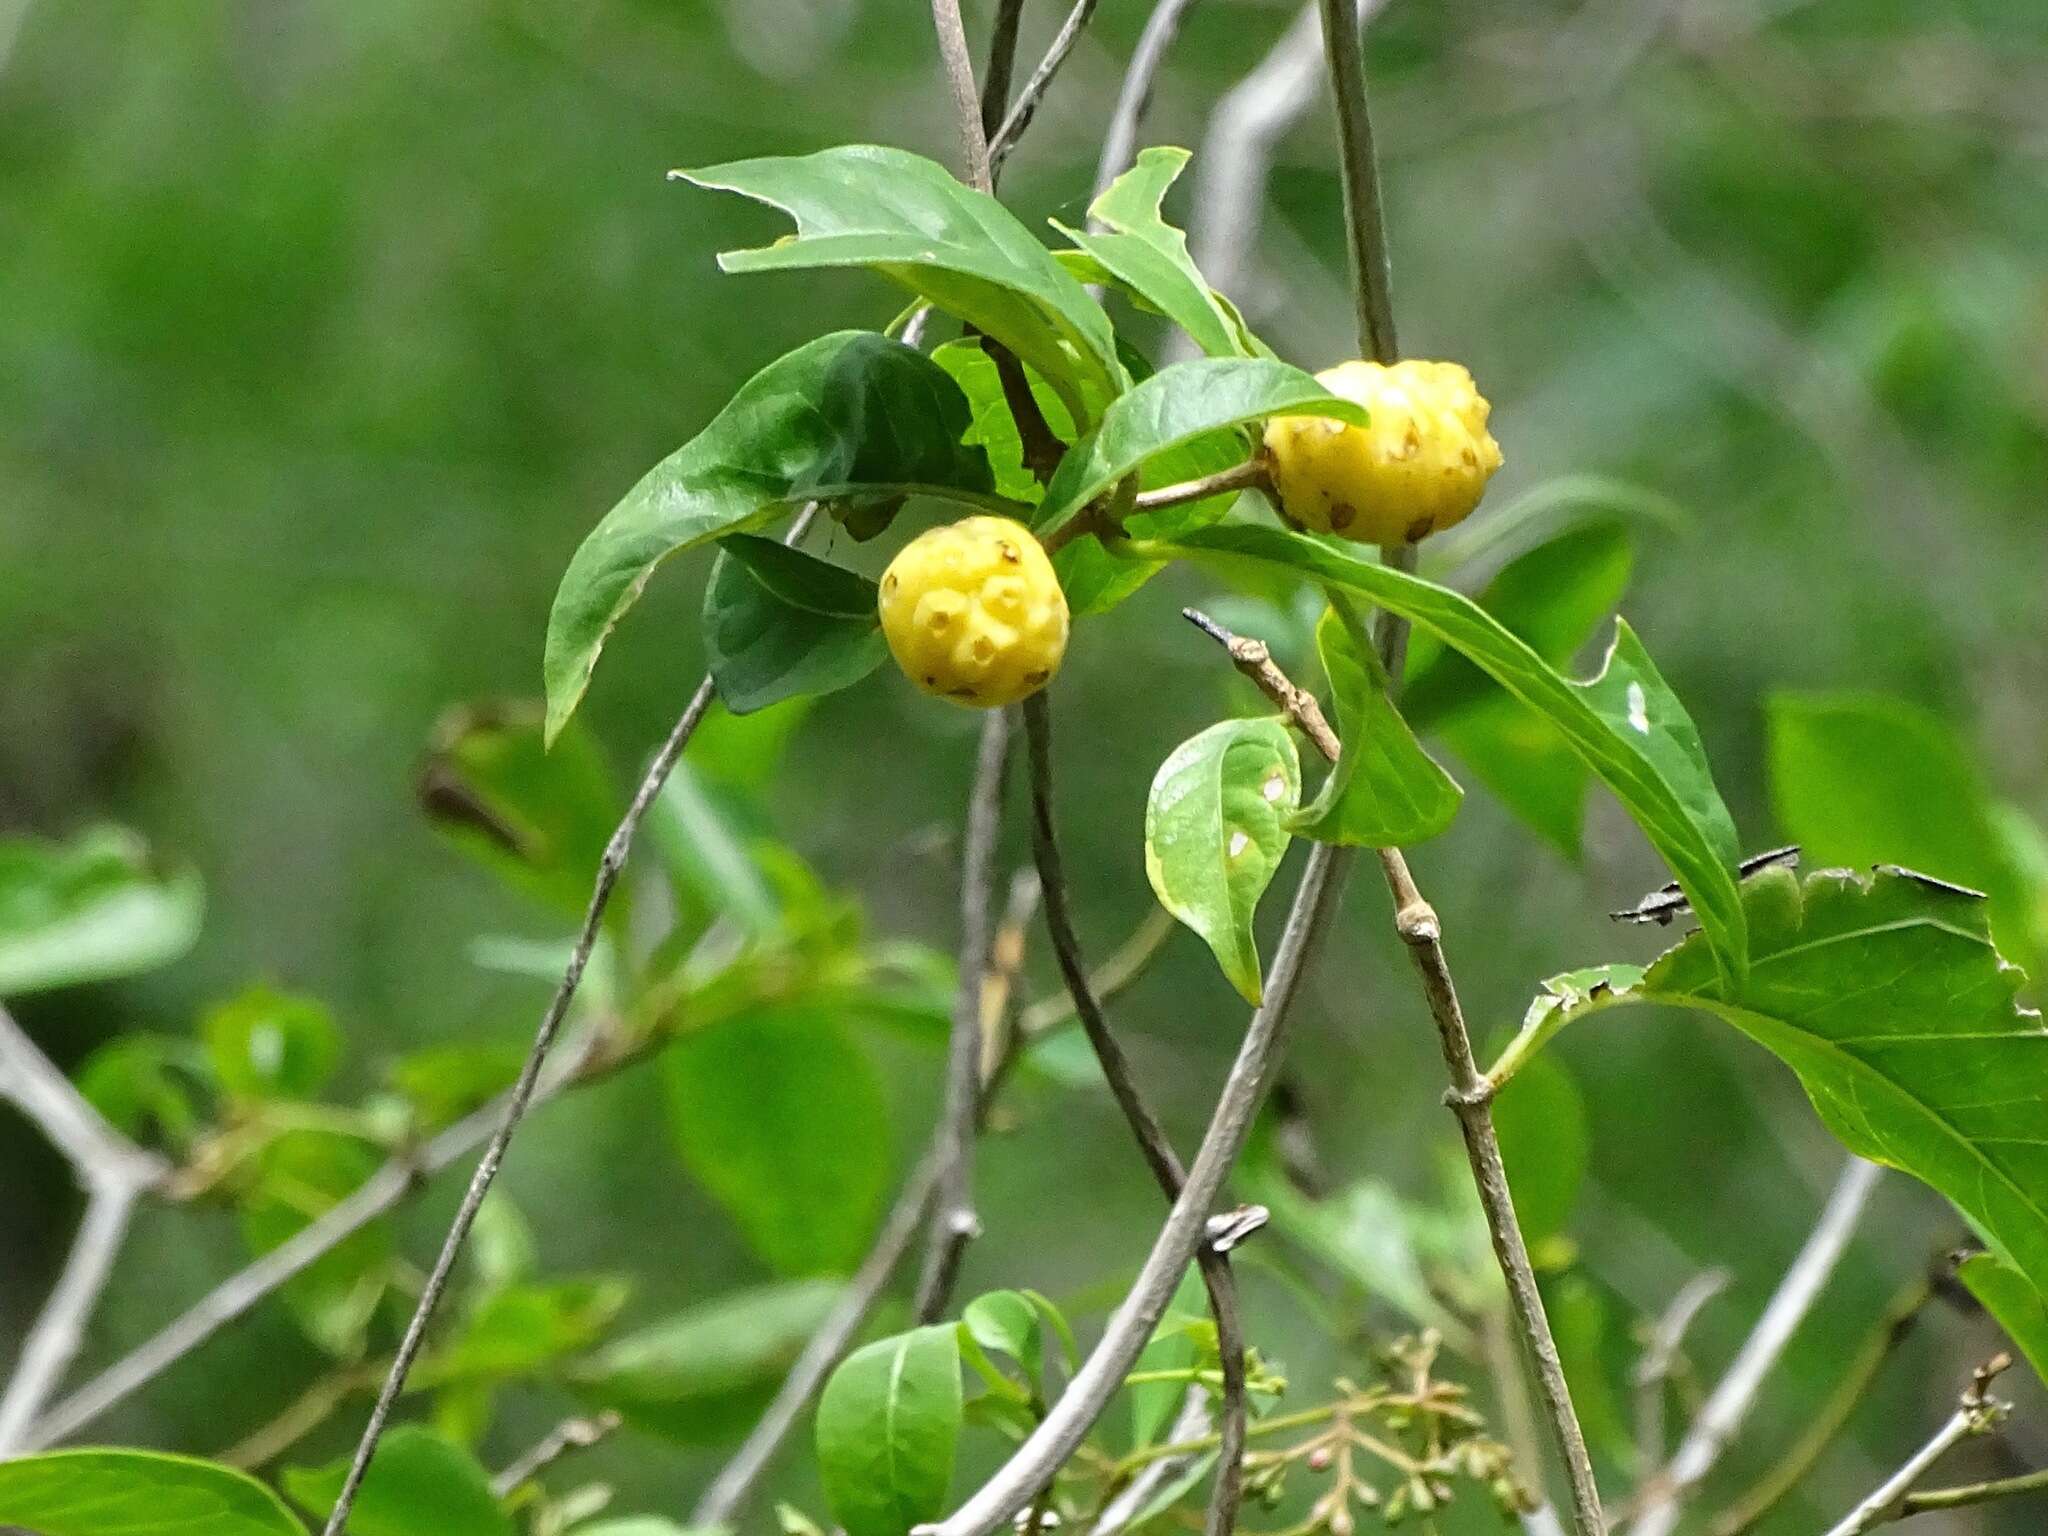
[1420, 466]
[973, 612]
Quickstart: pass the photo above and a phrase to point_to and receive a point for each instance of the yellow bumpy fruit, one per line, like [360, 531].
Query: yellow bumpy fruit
[1420, 466]
[973, 612]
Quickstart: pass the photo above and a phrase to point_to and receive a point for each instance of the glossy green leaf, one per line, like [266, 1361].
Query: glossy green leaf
[1137, 248]
[293, 1181]
[2012, 1299]
[779, 623]
[268, 1044]
[781, 1115]
[1175, 406]
[1625, 722]
[92, 909]
[1385, 790]
[995, 428]
[702, 1374]
[804, 427]
[1885, 996]
[1861, 779]
[1007, 1323]
[1215, 832]
[906, 217]
[418, 1484]
[136, 1493]
[888, 1422]
[151, 1088]
[538, 817]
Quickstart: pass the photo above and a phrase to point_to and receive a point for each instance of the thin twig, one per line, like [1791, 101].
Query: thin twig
[1067, 1423]
[1965, 1494]
[1977, 1413]
[1130, 961]
[1730, 1401]
[1660, 1356]
[1134, 99]
[1254, 659]
[1365, 225]
[114, 1173]
[1002, 62]
[959, 66]
[1192, 1424]
[1850, 1391]
[1026, 105]
[1151, 1137]
[954, 1224]
[575, 1434]
[1250, 475]
[608, 871]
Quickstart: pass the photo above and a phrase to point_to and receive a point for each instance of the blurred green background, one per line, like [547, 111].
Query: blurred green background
[326, 330]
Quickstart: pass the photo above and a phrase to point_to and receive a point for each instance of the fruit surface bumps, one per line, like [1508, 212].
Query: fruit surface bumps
[973, 613]
[1419, 466]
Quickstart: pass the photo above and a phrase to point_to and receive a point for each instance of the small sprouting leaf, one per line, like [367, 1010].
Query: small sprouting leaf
[149, 1087]
[2014, 1300]
[136, 1493]
[295, 1180]
[538, 817]
[849, 414]
[418, 1484]
[443, 1083]
[1215, 832]
[779, 623]
[995, 428]
[1142, 252]
[1861, 779]
[92, 909]
[704, 1372]
[888, 1421]
[1175, 406]
[1008, 1323]
[1385, 790]
[1626, 723]
[1884, 995]
[268, 1044]
[523, 1328]
[906, 217]
[781, 1115]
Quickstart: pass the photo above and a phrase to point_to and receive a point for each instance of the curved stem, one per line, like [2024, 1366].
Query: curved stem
[1151, 1137]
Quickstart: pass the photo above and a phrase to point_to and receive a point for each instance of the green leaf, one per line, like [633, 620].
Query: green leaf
[297, 1178]
[2014, 1301]
[779, 623]
[995, 428]
[148, 1087]
[849, 414]
[888, 1421]
[1215, 832]
[1175, 406]
[1625, 722]
[1148, 256]
[1155, 1404]
[1861, 779]
[268, 1044]
[539, 818]
[782, 1117]
[1385, 790]
[862, 205]
[642, 1525]
[418, 1484]
[137, 1493]
[707, 855]
[1886, 998]
[92, 909]
[704, 1372]
[1582, 1317]
[443, 1083]
[1546, 1146]
[524, 1328]
[1007, 1322]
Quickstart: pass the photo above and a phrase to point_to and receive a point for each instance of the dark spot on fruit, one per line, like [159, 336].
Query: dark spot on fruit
[889, 582]
[1420, 528]
[1009, 551]
[1037, 677]
[1342, 515]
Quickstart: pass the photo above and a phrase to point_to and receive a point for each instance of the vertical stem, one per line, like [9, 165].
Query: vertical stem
[959, 65]
[54, 1339]
[1365, 225]
[1002, 60]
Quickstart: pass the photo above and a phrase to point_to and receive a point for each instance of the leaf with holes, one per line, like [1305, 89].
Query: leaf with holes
[1625, 722]
[1215, 832]
[1137, 249]
[1885, 996]
[779, 623]
[850, 414]
[1385, 791]
[1178, 405]
[887, 1425]
[907, 218]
